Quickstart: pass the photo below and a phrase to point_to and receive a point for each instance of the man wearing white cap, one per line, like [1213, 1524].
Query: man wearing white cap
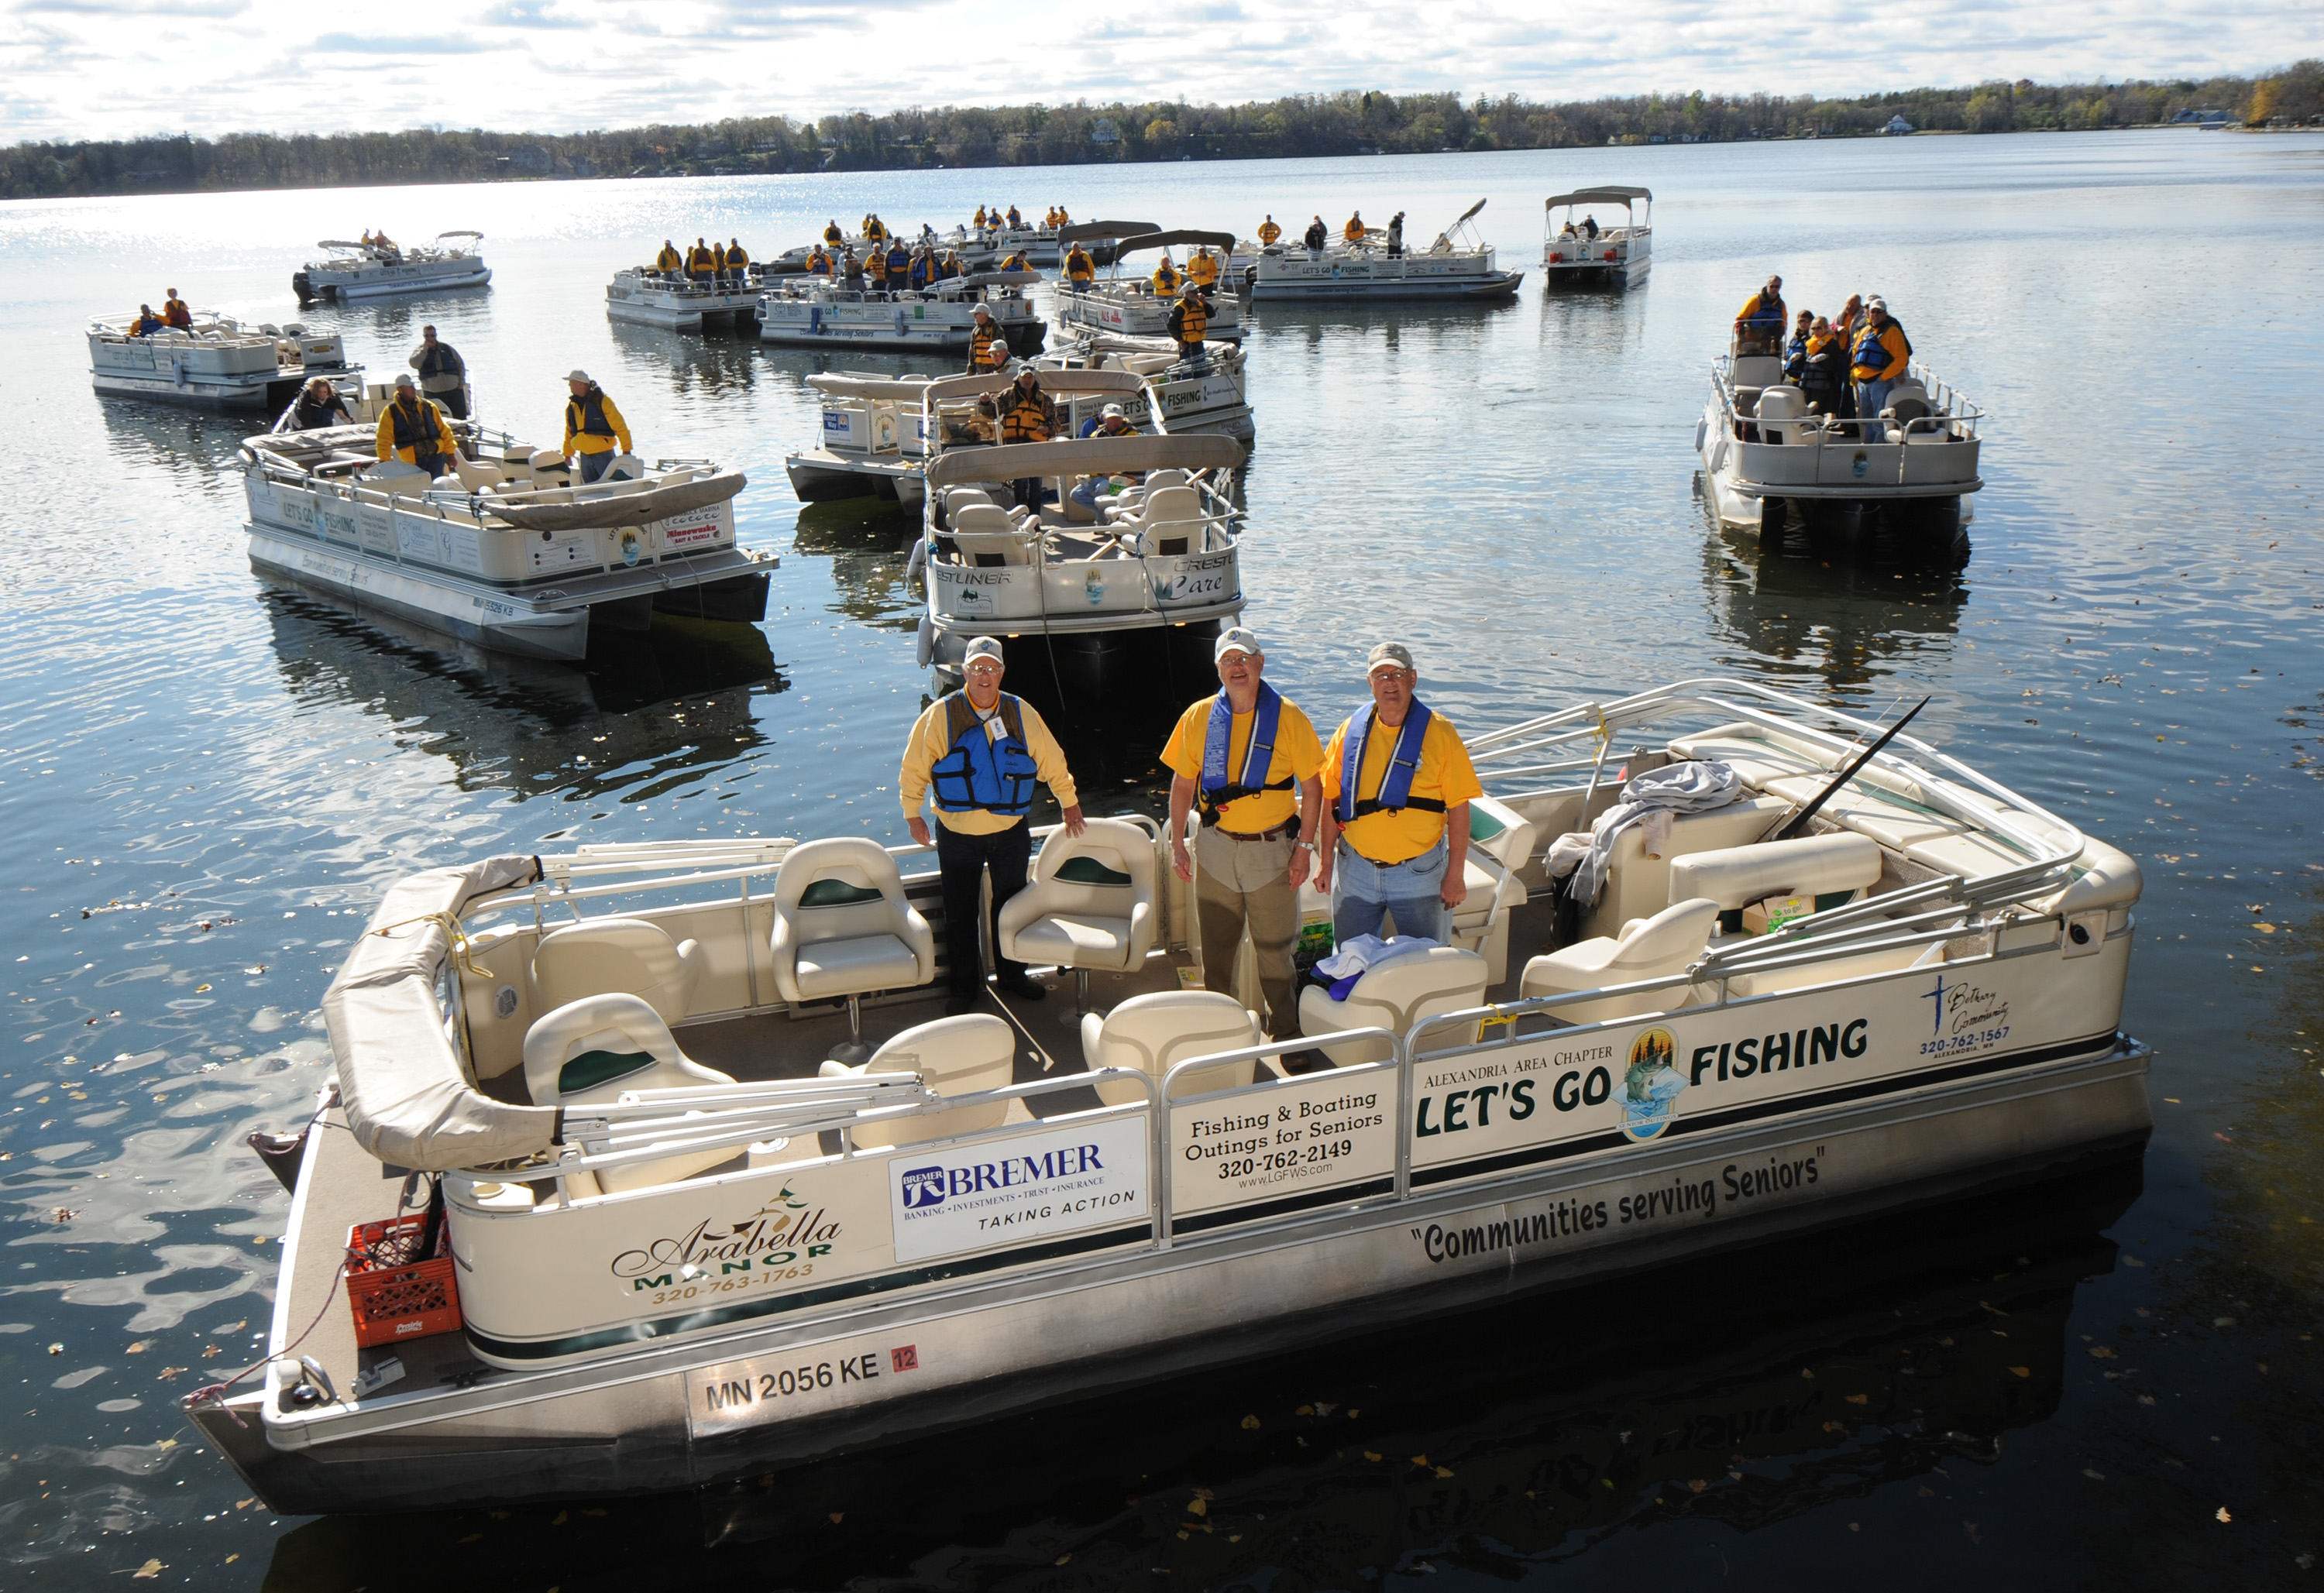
[593, 426]
[1396, 785]
[413, 430]
[978, 751]
[1249, 758]
[988, 346]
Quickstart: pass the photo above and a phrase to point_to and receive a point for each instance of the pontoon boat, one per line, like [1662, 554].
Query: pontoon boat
[1458, 265]
[1127, 306]
[1912, 468]
[1205, 393]
[220, 364]
[618, 1227]
[1576, 250]
[374, 271]
[815, 312]
[872, 439]
[676, 302]
[508, 551]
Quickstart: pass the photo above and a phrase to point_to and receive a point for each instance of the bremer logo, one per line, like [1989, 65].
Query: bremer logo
[931, 1186]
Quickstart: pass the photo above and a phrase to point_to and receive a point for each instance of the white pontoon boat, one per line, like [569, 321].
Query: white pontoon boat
[374, 271]
[1575, 250]
[1763, 453]
[873, 440]
[219, 363]
[676, 301]
[815, 312]
[982, 248]
[507, 552]
[1126, 304]
[1205, 393]
[1458, 265]
[679, 1247]
[1156, 560]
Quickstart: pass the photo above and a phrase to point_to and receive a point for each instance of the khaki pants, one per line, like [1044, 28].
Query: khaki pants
[1247, 882]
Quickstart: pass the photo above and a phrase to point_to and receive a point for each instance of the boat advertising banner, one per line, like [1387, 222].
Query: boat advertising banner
[997, 1193]
[1302, 1142]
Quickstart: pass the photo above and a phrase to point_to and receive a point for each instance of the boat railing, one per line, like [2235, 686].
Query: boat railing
[1952, 410]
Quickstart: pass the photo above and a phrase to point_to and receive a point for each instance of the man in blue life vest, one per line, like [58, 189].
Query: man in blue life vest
[978, 750]
[1397, 785]
[1759, 323]
[413, 430]
[1879, 359]
[1249, 759]
[594, 427]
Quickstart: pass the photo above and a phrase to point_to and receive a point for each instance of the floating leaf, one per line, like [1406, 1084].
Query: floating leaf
[2100, 1352]
[153, 1569]
[1251, 1423]
[1304, 1411]
[474, 1538]
[2223, 1515]
[561, 1519]
[1810, 1376]
[1860, 1399]
[1198, 1507]
[2021, 1371]
[1697, 1485]
[1447, 1471]
[837, 1516]
[1372, 1455]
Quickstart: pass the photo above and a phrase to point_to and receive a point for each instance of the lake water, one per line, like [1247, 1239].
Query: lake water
[208, 783]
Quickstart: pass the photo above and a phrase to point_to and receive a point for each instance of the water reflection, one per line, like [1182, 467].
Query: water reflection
[643, 715]
[869, 542]
[1560, 1421]
[719, 362]
[1425, 325]
[1845, 618]
[140, 434]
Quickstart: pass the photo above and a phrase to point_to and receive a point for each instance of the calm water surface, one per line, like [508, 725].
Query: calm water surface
[208, 783]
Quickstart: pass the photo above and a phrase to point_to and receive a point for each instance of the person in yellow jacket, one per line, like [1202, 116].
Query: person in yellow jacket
[1397, 786]
[700, 263]
[413, 430]
[1190, 321]
[1080, 271]
[738, 260]
[1355, 230]
[1015, 261]
[978, 222]
[177, 312]
[831, 233]
[669, 261]
[1166, 278]
[717, 262]
[1016, 222]
[1269, 232]
[977, 751]
[1248, 759]
[594, 427]
[1879, 359]
[818, 263]
[1759, 323]
[1203, 269]
[988, 346]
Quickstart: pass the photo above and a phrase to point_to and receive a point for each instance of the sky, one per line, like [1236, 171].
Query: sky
[99, 69]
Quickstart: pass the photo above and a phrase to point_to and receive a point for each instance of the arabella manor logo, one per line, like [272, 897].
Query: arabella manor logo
[784, 1230]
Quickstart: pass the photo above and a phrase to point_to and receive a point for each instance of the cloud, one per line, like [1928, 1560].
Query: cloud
[212, 8]
[529, 14]
[355, 44]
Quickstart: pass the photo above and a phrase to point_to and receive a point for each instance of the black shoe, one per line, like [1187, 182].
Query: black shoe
[1309, 1060]
[1020, 987]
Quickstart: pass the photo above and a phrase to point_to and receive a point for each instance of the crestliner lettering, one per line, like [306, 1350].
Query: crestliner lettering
[1774, 1053]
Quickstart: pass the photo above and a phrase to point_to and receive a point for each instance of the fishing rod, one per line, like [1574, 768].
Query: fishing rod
[1799, 822]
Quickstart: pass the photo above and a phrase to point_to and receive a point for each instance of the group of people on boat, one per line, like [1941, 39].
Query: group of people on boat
[1356, 235]
[1587, 231]
[706, 264]
[381, 245]
[993, 218]
[174, 316]
[1378, 815]
[1844, 366]
[415, 428]
[883, 271]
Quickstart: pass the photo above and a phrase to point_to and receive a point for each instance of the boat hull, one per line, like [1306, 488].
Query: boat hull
[1759, 488]
[683, 1416]
[1292, 275]
[679, 313]
[907, 323]
[386, 282]
[264, 394]
[820, 476]
[1140, 315]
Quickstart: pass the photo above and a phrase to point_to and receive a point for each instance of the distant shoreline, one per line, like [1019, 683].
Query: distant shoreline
[1297, 127]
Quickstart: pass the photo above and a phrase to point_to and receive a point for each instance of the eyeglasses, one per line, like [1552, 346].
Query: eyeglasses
[982, 668]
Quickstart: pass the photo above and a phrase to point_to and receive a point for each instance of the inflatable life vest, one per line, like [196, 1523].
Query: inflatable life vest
[1761, 314]
[1395, 793]
[1872, 354]
[1215, 790]
[996, 776]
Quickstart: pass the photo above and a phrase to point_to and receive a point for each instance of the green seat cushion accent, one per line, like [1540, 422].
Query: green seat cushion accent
[593, 1068]
[1483, 826]
[836, 893]
[1731, 922]
[1829, 900]
[1086, 870]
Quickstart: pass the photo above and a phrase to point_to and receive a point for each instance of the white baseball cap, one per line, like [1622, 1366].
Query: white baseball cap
[1236, 639]
[577, 374]
[984, 646]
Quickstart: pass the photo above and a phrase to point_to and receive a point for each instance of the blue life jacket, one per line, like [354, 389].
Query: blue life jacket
[1796, 358]
[1216, 789]
[996, 776]
[1395, 793]
[1765, 314]
[899, 260]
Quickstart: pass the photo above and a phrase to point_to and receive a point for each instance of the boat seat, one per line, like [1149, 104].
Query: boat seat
[1841, 864]
[547, 459]
[1090, 904]
[1394, 997]
[604, 955]
[842, 927]
[964, 1056]
[475, 476]
[1154, 1033]
[1638, 882]
[586, 1053]
[1783, 415]
[1669, 943]
[398, 471]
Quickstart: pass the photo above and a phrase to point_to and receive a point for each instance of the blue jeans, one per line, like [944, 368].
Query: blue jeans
[1086, 494]
[593, 465]
[1871, 398]
[1362, 891]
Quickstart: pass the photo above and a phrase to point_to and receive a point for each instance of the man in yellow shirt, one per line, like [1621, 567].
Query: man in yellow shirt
[593, 427]
[980, 750]
[1249, 759]
[413, 430]
[1269, 232]
[1396, 785]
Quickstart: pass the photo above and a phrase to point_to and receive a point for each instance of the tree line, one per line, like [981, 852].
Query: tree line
[1299, 125]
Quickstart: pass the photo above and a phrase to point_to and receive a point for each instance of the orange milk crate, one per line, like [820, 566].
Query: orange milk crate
[393, 1298]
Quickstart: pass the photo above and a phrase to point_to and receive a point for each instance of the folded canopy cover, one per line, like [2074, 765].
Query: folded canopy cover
[1092, 455]
[1599, 196]
[408, 1096]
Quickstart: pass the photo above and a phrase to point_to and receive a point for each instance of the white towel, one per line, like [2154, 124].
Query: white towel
[1651, 799]
[1364, 952]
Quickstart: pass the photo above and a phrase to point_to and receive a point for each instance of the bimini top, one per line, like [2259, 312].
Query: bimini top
[1079, 230]
[1135, 242]
[843, 384]
[1601, 196]
[1089, 456]
[1055, 383]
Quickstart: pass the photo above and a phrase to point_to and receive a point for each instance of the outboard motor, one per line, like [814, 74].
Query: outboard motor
[303, 286]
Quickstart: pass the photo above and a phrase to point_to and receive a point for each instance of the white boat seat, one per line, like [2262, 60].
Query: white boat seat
[1782, 412]
[548, 459]
[1638, 882]
[1394, 997]
[1498, 829]
[586, 1053]
[600, 956]
[1089, 904]
[399, 471]
[475, 476]
[964, 1056]
[842, 927]
[990, 549]
[1154, 1033]
[1669, 943]
[1825, 867]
